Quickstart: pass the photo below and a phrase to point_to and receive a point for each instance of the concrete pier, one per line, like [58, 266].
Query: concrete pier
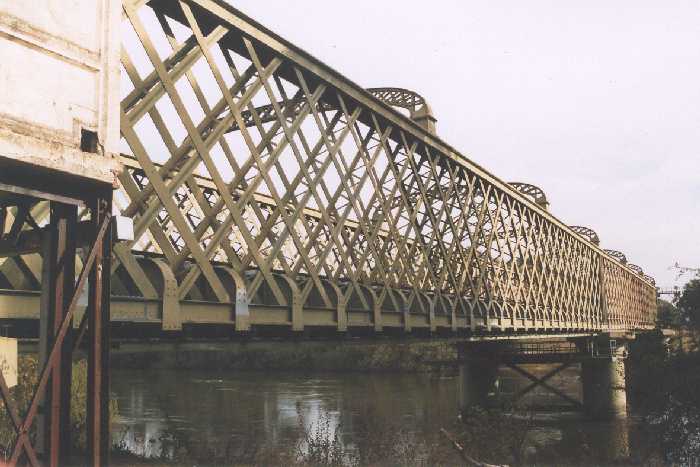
[604, 387]
[477, 376]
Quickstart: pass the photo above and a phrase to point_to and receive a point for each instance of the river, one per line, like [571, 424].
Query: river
[208, 414]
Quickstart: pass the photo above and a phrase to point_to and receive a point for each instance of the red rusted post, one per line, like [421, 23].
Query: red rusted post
[98, 345]
[58, 284]
[63, 222]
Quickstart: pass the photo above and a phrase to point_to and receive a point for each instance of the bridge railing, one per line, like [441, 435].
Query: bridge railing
[245, 150]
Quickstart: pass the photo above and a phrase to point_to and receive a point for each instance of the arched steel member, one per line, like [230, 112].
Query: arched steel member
[312, 296]
[533, 192]
[586, 232]
[237, 287]
[399, 97]
[617, 255]
[371, 302]
[441, 308]
[636, 268]
[291, 295]
[420, 304]
[393, 302]
[164, 281]
[418, 108]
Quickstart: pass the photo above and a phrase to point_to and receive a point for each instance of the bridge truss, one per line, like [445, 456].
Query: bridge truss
[268, 189]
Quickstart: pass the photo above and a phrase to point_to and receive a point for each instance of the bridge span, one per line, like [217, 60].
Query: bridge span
[264, 190]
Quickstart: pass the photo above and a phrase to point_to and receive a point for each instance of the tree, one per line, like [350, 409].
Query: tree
[667, 315]
[689, 303]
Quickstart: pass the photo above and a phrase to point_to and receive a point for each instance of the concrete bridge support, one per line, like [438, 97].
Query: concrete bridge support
[477, 377]
[604, 387]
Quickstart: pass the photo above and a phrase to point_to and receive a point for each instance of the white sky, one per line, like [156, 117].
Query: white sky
[596, 102]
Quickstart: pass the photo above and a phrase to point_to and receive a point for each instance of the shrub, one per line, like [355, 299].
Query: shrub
[27, 378]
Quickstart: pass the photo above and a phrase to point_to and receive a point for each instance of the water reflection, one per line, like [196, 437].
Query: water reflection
[227, 414]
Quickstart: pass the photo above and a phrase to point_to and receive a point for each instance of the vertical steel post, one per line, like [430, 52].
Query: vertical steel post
[66, 223]
[45, 330]
[58, 283]
[98, 336]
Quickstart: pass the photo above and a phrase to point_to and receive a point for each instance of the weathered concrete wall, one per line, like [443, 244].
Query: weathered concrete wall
[60, 74]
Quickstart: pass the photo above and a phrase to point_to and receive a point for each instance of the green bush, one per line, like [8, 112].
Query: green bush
[27, 378]
[689, 303]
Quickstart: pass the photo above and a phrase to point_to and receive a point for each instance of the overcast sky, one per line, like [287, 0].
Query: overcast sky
[596, 102]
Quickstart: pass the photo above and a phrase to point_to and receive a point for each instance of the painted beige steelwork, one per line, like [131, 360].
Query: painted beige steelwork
[268, 189]
[586, 232]
[536, 194]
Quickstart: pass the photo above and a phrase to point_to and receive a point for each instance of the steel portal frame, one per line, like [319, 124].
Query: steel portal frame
[49, 408]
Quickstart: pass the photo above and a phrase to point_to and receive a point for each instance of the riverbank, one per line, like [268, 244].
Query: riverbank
[325, 356]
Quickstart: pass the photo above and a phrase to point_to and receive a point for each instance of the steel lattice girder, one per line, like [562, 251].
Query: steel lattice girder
[395, 207]
[242, 149]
